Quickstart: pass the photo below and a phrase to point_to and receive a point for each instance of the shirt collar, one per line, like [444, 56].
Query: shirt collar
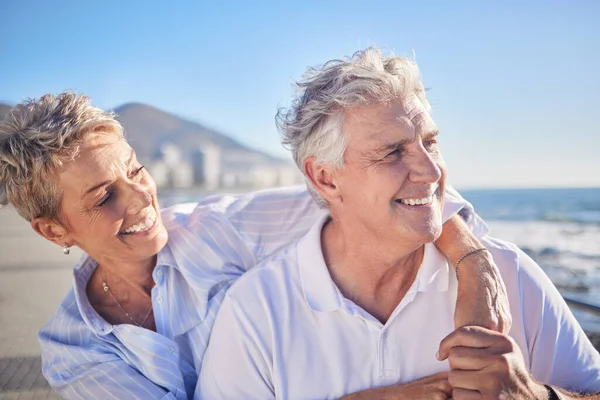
[454, 202]
[82, 272]
[321, 293]
[165, 257]
[434, 272]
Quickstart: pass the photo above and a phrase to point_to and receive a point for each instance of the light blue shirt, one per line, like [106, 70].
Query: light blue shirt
[210, 245]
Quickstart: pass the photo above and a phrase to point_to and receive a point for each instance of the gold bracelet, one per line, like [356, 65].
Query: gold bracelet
[465, 256]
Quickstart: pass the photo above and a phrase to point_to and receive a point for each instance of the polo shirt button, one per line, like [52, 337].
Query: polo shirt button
[384, 334]
[159, 272]
[159, 299]
[171, 349]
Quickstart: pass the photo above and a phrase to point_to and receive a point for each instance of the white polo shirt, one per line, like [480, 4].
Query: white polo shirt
[285, 330]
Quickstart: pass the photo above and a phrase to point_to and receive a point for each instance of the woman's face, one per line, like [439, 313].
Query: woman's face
[109, 202]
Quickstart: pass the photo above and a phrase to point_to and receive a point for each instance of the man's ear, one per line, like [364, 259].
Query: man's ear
[322, 178]
[52, 231]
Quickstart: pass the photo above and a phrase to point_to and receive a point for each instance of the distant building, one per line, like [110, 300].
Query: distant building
[169, 169]
[206, 163]
[210, 168]
[290, 175]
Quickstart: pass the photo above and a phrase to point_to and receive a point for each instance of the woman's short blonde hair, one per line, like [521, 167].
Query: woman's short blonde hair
[36, 138]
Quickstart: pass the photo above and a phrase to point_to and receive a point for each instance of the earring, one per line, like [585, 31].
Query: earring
[66, 250]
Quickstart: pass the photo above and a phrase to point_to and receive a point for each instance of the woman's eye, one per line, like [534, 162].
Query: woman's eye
[137, 171]
[106, 199]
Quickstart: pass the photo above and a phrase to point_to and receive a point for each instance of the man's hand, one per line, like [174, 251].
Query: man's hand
[487, 365]
[434, 387]
[482, 298]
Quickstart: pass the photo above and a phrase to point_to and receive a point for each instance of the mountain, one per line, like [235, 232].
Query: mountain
[4, 109]
[183, 154]
[147, 128]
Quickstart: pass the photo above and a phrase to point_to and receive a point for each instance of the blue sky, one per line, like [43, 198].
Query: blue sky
[514, 85]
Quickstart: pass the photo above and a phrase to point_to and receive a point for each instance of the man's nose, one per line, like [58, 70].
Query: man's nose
[424, 168]
[138, 199]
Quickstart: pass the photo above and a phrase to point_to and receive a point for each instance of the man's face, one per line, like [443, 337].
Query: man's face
[393, 184]
[109, 202]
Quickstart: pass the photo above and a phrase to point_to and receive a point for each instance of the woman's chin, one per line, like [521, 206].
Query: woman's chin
[148, 243]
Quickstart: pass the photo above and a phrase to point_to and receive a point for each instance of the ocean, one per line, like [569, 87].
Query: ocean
[558, 228]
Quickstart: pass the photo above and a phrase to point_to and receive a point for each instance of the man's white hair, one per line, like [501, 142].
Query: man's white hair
[312, 126]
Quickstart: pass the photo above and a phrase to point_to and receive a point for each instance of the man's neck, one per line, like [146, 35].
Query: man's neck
[375, 274]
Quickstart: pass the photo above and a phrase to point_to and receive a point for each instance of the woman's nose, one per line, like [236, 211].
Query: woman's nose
[138, 199]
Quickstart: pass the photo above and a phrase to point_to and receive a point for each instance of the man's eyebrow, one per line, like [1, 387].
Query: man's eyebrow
[392, 145]
[431, 134]
[104, 183]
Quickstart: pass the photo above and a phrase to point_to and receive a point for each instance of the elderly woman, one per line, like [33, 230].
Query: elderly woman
[145, 293]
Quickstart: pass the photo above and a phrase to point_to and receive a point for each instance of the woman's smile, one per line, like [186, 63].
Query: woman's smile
[145, 224]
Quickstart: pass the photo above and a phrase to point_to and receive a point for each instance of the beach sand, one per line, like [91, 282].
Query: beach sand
[35, 275]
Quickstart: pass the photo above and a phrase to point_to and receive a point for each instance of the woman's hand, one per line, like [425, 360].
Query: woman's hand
[482, 298]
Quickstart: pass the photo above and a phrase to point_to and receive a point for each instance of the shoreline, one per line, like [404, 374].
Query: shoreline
[594, 338]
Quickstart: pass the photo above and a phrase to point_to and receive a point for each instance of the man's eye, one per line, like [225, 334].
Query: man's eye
[429, 144]
[394, 153]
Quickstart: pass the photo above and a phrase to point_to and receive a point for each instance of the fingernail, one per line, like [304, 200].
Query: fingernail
[437, 355]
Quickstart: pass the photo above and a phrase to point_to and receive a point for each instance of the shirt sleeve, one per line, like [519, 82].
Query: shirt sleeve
[559, 351]
[268, 220]
[235, 364]
[76, 368]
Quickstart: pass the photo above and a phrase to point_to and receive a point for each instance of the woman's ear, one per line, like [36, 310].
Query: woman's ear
[52, 231]
[322, 178]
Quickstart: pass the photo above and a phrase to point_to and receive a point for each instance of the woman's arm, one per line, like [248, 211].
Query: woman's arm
[109, 380]
[79, 365]
[482, 298]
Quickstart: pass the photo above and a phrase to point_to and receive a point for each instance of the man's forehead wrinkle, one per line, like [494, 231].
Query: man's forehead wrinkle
[416, 111]
[386, 127]
[406, 122]
[423, 124]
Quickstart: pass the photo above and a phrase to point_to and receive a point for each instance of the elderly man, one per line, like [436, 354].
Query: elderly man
[364, 300]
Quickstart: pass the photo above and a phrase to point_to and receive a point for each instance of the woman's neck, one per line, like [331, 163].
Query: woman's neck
[128, 275]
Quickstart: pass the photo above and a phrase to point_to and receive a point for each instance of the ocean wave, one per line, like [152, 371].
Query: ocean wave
[554, 205]
[569, 253]
[564, 238]
[523, 214]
